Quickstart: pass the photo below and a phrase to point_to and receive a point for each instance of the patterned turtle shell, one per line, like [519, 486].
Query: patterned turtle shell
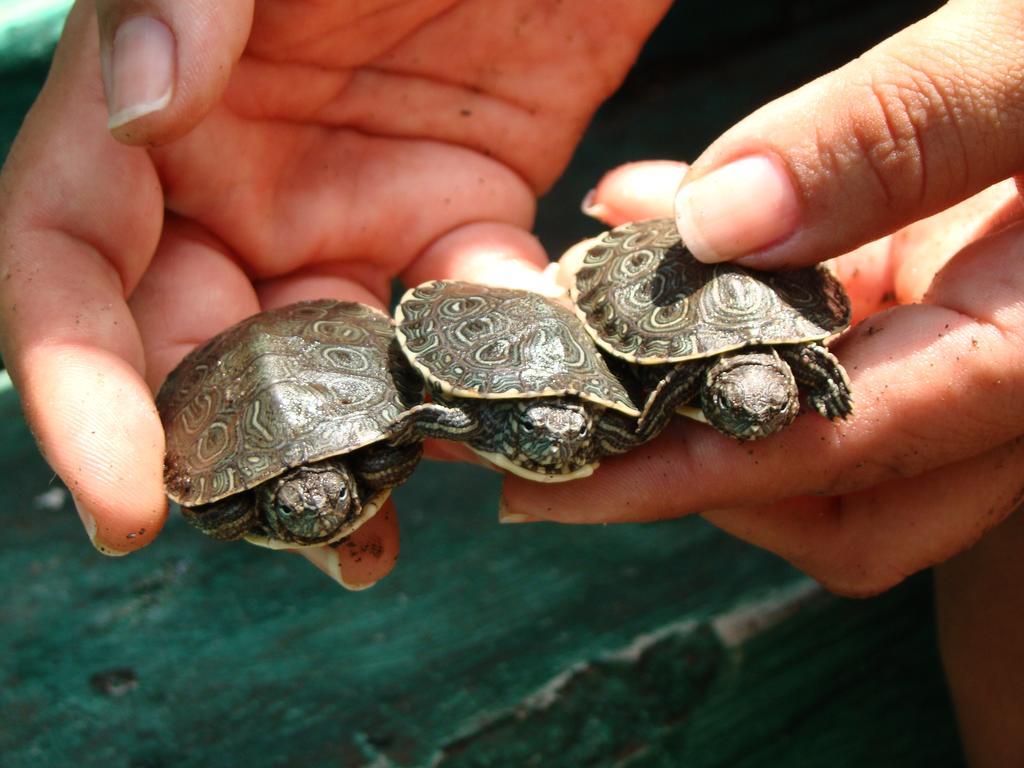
[278, 390]
[476, 341]
[646, 299]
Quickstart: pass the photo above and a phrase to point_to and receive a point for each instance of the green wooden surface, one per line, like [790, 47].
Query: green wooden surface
[659, 645]
[29, 29]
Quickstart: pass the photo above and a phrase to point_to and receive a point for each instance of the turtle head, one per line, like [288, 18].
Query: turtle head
[749, 396]
[554, 433]
[309, 505]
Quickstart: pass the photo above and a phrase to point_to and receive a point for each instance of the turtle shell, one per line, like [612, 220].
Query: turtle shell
[278, 390]
[477, 341]
[646, 299]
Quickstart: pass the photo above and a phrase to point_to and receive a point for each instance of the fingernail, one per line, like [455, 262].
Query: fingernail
[505, 517]
[139, 76]
[740, 208]
[89, 523]
[590, 208]
[327, 560]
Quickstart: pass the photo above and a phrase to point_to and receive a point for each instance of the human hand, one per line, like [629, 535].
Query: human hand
[932, 456]
[259, 154]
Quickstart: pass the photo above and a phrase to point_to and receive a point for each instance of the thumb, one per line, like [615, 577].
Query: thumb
[926, 119]
[165, 63]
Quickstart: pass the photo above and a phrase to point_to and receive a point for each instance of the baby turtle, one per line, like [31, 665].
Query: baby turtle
[284, 429]
[513, 375]
[735, 341]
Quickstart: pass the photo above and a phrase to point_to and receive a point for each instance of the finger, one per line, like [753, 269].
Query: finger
[635, 191]
[900, 133]
[165, 63]
[365, 557]
[899, 269]
[867, 542]
[923, 248]
[80, 216]
[490, 253]
[192, 291]
[867, 275]
[343, 281]
[932, 383]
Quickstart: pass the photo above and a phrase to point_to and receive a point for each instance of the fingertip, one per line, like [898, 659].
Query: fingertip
[165, 64]
[97, 426]
[120, 535]
[359, 561]
[508, 517]
[489, 253]
[737, 209]
[635, 191]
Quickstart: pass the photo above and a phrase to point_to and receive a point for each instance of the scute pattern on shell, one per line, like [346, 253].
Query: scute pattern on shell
[484, 342]
[645, 298]
[280, 389]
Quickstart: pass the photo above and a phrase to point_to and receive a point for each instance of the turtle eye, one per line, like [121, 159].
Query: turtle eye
[527, 426]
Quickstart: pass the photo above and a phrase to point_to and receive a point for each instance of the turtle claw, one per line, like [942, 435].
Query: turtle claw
[818, 371]
[837, 404]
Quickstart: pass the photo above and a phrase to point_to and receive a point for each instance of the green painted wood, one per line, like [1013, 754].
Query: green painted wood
[29, 29]
[489, 646]
[660, 645]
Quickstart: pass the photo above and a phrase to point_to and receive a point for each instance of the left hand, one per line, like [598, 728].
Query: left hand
[859, 505]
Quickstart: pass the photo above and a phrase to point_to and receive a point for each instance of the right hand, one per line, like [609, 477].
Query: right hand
[933, 455]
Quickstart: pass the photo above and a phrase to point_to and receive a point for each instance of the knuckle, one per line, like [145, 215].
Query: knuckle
[904, 131]
[888, 142]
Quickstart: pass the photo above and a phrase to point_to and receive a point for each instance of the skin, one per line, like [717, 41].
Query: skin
[305, 152]
[899, 164]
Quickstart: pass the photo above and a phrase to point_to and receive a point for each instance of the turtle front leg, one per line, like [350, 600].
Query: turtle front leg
[384, 466]
[677, 387]
[615, 433]
[443, 421]
[819, 373]
[229, 519]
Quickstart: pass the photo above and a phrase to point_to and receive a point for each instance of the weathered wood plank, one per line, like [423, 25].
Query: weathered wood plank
[489, 645]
